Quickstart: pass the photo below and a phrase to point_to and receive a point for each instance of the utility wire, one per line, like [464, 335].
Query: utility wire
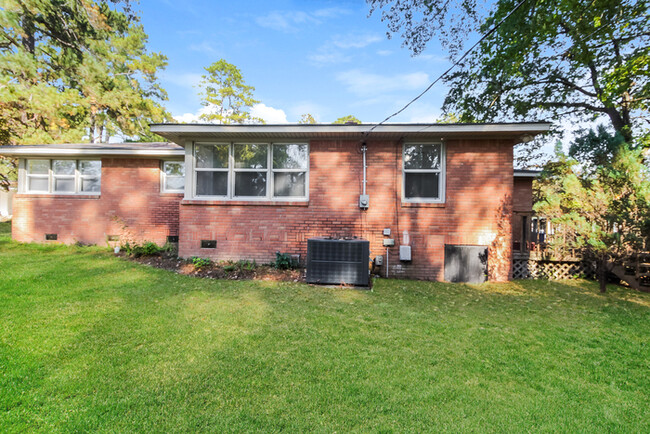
[492, 30]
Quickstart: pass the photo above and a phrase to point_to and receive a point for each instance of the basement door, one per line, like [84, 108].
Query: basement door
[467, 264]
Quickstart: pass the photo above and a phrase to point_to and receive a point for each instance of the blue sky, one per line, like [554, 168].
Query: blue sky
[327, 58]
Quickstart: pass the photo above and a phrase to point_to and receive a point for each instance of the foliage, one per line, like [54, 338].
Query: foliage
[603, 212]
[284, 261]
[146, 248]
[241, 265]
[8, 172]
[346, 119]
[229, 98]
[307, 118]
[94, 343]
[594, 149]
[199, 262]
[76, 69]
[550, 58]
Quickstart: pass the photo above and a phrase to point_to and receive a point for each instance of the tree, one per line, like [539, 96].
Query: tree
[225, 93]
[604, 213]
[307, 118]
[550, 58]
[347, 119]
[87, 62]
[72, 68]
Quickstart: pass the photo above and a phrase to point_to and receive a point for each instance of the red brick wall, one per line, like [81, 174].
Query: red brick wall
[522, 198]
[130, 205]
[478, 207]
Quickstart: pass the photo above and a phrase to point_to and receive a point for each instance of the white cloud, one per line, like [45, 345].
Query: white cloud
[333, 51]
[367, 84]
[269, 114]
[285, 21]
[384, 52]
[324, 57]
[203, 47]
[187, 79]
[290, 21]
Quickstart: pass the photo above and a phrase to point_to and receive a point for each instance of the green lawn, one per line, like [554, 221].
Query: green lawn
[89, 342]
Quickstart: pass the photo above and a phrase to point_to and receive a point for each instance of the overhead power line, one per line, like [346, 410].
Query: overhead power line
[484, 37]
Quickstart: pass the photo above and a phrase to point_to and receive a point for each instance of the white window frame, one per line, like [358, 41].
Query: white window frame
[51, 177]
[163, 177]
[441, 178]
[270, 187]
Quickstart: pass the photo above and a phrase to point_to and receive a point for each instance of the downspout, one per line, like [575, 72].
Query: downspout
[364, 148]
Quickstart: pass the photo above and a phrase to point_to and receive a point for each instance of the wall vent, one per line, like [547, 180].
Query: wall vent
[172, 238]
[208, 244]
[338, 261]
[113, 237]
[51, 237]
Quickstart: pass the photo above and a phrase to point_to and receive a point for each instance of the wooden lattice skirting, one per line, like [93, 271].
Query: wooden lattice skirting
[536, 269]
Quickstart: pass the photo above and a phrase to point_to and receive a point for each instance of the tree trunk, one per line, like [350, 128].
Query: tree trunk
[602, 275]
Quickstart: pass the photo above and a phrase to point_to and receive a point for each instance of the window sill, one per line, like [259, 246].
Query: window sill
[172, 193]
[243, 202]
[59, 196]
[423, 204]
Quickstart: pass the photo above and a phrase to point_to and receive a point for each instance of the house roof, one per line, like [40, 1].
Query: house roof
[185, 132]
[527, 173]
[133, 149]
[181, 133]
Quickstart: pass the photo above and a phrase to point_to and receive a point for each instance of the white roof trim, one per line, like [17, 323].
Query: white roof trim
[350, 129]
[31, 151]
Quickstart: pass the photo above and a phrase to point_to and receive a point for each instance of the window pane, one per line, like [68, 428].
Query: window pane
[175, 183]
[211, 183]
[63, 167]
[422, 157]
[91, 168]
[250, 184]
[422, 185]
[37, 184]
[174, 168]
[289, 184]
[212, 156]
[290, 156]
[91, 184]
[38, 167]
[251, 156]
[64, 185]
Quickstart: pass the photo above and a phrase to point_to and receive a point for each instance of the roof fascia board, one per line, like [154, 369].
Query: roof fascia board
[37, 151]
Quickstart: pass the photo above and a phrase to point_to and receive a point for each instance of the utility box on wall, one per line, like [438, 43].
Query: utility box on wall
[467, 264]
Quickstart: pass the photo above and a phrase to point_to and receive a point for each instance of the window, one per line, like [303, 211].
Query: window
[173, 177]
[423, 172]
[251, 171]
[63, 176]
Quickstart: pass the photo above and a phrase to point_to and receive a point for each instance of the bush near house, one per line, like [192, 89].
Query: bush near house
[92, 342]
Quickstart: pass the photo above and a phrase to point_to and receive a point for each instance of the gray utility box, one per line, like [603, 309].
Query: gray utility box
[465, 263]
[338, 261]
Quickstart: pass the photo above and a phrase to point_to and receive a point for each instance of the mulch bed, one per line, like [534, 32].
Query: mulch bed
[217, 271]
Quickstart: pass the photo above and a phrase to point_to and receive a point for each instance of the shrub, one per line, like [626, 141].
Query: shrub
[201, 262]
[284, 261]
[137, 250]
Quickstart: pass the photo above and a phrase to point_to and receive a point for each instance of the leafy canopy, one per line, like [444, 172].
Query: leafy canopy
[346, 119]
[603, 212]
[307, 118]
[225, 93]
[550, 58]
[74, 70]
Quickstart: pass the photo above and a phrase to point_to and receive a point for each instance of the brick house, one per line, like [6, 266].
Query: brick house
[248, 191]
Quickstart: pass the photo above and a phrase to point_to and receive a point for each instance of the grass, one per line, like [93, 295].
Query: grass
[89, 342]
